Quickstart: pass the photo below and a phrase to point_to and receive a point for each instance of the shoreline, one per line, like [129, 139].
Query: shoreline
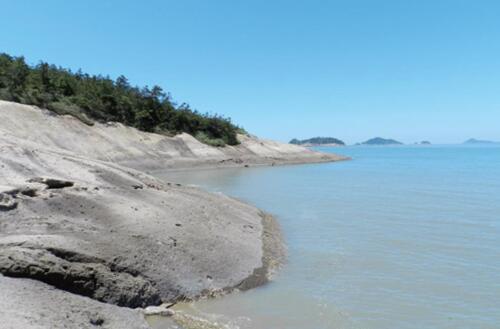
[79, 224]
[273, 258]
[24, 246]
[273, 254]
[215, 165]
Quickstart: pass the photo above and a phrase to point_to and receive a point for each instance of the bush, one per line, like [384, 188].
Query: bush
[62, 108]
[202, 137]
[5, 95]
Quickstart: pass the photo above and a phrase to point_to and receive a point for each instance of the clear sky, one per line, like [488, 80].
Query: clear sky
[353, 69]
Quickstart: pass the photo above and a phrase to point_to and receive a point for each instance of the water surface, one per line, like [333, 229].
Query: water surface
[400, 237]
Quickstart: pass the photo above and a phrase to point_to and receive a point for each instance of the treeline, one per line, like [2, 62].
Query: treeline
[91, 97]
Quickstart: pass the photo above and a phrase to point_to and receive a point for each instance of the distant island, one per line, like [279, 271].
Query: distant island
[316, 141]
[381, 141]
[423, 143]
[478, 141]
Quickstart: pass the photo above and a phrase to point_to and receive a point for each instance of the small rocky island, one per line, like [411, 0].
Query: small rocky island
[381, 141]
[318, 141]
[479, 141]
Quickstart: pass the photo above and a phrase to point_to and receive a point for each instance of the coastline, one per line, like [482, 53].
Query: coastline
[78, 222]
[273, 254]
[216, 243]
[239, 163]
[127, 146]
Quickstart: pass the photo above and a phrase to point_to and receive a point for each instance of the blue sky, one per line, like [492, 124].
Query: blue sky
[352, 69]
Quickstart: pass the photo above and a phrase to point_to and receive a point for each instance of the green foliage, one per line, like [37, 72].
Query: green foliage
[62, 108]
[381, 141]
[318, 141]
[103, 99]
[202, 137]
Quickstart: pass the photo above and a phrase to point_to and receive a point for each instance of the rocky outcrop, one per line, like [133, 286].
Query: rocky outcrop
[26, 304]
[81, 233]
[7, 202]
[182, 240]
[97, 229]
[79, 274]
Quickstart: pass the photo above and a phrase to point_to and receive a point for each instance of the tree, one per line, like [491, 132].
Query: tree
[18, 74]
[104, 99]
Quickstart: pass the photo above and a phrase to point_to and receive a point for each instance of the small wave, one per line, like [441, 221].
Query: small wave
[211, 321]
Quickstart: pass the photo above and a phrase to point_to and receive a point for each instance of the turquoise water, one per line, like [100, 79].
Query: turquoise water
[399, 237]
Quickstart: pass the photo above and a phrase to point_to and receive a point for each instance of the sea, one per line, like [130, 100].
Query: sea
[403, 237]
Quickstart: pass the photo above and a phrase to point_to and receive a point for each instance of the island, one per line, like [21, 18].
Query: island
[381, 141]
[479, 141]
[318, 141]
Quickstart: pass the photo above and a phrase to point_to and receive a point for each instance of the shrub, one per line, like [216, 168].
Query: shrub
[202, 137]
[62, 108]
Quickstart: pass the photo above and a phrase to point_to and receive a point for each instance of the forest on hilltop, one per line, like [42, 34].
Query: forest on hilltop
[99, 98]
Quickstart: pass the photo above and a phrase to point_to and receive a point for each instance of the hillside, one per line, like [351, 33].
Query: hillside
[317, 141]
[128, 146]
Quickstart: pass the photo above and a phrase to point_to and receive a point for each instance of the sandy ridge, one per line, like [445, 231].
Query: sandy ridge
[128, 146]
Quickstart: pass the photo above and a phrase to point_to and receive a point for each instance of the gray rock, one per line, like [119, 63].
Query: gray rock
[30, 304]
[7, 202]
[104, 239]
[51, 182]
[162, 310]
[78, 274]
[86, 231]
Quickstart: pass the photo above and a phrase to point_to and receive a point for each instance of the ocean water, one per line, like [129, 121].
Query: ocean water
[403, 237]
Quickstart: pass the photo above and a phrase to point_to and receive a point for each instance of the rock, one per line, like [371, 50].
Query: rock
[7, 202]
[51, 182]
[86, 276]
[30, 304]
[104, 225]
[162, 310]
[97, 321]
[8, 189]
[111, 242]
